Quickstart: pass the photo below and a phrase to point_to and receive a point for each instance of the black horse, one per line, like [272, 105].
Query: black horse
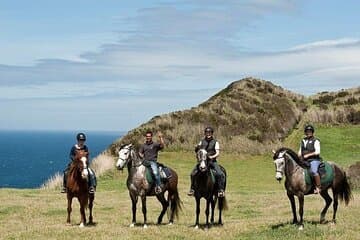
[205, 187]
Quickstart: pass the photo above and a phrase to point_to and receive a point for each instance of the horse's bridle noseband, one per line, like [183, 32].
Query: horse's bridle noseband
[128, 158]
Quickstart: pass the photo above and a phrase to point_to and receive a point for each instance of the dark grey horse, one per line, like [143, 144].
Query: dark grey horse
[205, 187]
[288, 163]
[139, 186]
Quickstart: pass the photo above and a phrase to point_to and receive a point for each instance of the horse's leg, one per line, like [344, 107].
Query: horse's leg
[82, 203]
[221, 206]
[91, 202]
[134, 200]
[293, 207]
[208, 201]
[143, 201]
[328, 200]
[164, 204]
[197, 212]
[213, 204]
[69, 198]
[301, 211]
[335, 205]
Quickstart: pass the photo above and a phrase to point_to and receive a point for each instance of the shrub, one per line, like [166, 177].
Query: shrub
[342, 94]
[354, 175]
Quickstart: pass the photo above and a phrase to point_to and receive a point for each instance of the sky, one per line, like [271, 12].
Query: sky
[111, 65]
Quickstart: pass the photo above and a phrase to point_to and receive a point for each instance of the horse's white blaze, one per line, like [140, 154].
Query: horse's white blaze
[202, 165]
[84, 172]
[280, 166]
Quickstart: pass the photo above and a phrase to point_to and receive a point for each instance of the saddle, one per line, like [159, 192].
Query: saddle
[326, 173]
[164, 172]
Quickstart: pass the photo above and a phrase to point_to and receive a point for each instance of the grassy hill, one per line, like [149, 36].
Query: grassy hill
[258, 206]
[249, 116]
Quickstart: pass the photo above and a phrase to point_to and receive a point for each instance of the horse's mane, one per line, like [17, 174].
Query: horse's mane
[293, 156]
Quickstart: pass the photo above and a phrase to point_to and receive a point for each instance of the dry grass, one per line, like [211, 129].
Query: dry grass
[100, 164]
[249, 116]
[258, 209]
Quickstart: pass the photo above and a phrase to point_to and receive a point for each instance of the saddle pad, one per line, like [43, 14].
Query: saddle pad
[213, 173]
[165, 174]
[326, 176]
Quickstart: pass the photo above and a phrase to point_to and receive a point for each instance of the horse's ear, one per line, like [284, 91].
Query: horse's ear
[130, 145]
[273, 151]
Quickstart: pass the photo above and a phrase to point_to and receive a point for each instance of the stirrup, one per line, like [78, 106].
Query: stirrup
[191, 192]
[158, 189]
[221, 193]
[92, 190]
[317, 190]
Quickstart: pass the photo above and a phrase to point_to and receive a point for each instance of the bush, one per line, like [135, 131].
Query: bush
[342, 94]
[354, 175]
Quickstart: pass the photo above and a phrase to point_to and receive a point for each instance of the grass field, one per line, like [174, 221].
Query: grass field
[258, 206]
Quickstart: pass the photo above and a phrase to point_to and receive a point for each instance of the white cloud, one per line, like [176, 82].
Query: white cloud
[327, 44]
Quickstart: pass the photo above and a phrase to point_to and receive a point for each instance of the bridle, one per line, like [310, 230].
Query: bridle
[126, 160]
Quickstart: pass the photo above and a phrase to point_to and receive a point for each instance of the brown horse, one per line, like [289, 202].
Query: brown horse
[205, 187]
[77, 186]
[138, 185]
[288, 163]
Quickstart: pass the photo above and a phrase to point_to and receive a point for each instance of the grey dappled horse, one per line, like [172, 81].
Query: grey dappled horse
[205, 187]
[288, 163]
[139, 186]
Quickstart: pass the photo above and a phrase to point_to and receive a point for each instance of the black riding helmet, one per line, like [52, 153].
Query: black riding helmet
[209, 129]
[309, 127]
[81, 136]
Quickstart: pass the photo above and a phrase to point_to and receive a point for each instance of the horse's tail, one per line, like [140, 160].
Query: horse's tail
[222, 204]
[345, 190]
[175, 203]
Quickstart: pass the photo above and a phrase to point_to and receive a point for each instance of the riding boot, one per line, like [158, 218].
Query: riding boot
[63, 189]
[92, 181]
[192, 176]
[221, 183]
[317, 184]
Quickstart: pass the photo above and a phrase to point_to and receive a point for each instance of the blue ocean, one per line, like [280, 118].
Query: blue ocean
[29, 158]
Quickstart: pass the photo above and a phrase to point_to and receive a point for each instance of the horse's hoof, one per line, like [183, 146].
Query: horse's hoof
[170, 223]
[81, 225]
[145, 226]
[301, 227]
[132, 225]
[68, 224]
[196, 226]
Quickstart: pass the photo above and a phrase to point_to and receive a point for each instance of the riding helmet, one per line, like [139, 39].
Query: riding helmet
[209, 129]
[81, 136]
[309, 127]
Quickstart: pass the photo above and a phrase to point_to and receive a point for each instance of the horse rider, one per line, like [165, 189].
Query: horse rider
[310, 152]
[149, 151]
[211, 145]
[80, 145]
